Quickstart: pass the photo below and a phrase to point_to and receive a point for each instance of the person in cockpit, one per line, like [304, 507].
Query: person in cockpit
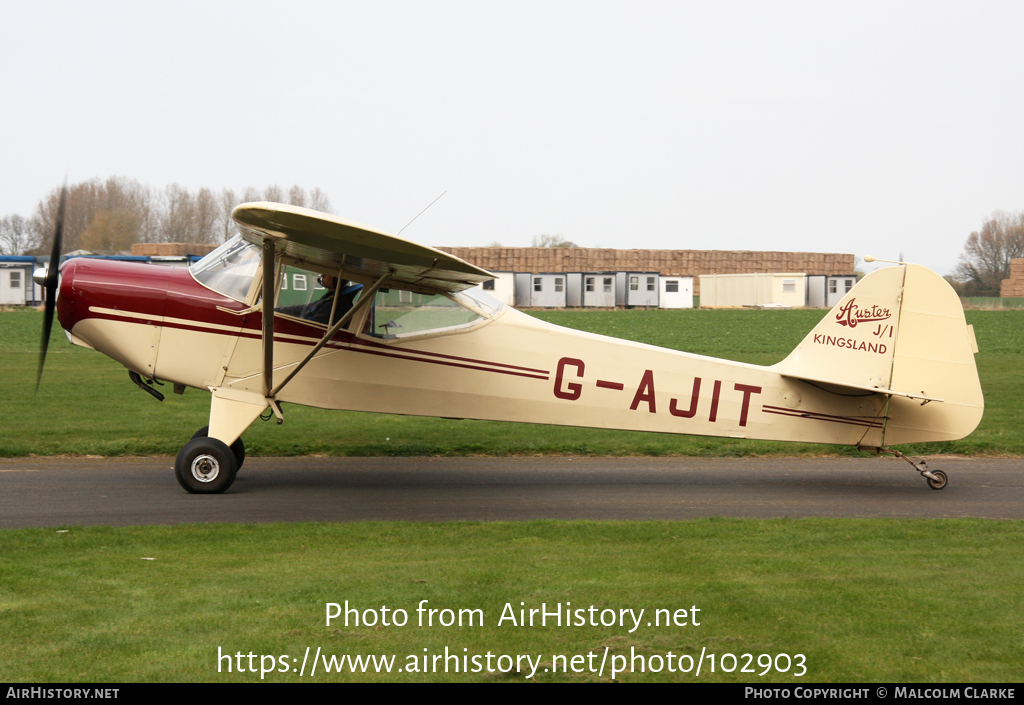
[320, 310]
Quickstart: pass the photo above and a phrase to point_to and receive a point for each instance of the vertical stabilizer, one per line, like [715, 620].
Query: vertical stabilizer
[854, 344]
[901, 331]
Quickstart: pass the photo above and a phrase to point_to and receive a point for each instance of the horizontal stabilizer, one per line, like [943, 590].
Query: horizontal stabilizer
[838, 388]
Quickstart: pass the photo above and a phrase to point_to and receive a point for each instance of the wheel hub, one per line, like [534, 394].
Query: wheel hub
[205, 468]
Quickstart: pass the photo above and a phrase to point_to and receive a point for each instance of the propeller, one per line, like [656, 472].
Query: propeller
[50, 283]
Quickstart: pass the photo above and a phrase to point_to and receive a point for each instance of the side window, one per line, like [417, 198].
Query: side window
[634, 283]
[309, 300]
[832, 288]
[488, 285]
[590, 283]
[538, 284]
[650, 283]
[559, 284]
[789, 286]
[15, 279]
[607, 285]
[392, 317]
[672, 286]
[849, 284]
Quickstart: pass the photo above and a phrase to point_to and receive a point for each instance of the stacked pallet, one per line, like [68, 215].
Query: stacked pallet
[170, 249]
[1014, 286]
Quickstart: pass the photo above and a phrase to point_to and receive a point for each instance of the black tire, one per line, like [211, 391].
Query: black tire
[238, 447]
[937, 485]
[205, 466]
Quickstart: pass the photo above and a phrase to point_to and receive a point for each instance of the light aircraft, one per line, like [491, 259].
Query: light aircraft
[892, 363]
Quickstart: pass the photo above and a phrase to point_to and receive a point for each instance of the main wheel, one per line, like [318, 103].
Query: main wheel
[238, 447]
[940, 483]
[205, 466]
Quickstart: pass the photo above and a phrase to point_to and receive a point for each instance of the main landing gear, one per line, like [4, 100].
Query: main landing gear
[206, 465]
[936, 479]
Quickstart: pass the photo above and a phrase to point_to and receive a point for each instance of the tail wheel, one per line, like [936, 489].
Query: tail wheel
[205, 466]
[238, 447]
[939, 483]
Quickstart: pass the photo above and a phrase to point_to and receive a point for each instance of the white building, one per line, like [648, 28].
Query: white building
[761, 289]
[676, 292]
[503, 287]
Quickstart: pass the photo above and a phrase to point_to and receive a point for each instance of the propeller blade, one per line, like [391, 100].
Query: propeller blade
[50, 283]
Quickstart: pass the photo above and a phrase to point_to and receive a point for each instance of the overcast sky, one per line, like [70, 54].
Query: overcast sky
[861, 127]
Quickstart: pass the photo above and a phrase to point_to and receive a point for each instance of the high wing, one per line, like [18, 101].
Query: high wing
[355, 251]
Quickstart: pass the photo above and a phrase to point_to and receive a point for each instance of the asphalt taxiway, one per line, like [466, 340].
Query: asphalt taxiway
[46, 492]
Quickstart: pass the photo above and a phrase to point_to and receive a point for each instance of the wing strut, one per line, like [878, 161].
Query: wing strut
[269, 297]
[364, 300]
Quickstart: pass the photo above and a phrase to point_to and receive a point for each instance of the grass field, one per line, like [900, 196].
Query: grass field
[861, 600]
[86, 405]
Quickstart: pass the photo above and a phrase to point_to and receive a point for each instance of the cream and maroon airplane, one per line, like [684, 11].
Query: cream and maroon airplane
[892, 363]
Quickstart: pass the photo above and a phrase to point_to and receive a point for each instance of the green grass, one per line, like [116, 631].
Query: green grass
[86, 405]
[863, 600]
[993, 303]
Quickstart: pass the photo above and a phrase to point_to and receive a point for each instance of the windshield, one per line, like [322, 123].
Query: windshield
[230, 268]
[481, 300]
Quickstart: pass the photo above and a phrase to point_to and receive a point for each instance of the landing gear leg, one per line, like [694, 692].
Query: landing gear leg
[936, 479]
[207, 464]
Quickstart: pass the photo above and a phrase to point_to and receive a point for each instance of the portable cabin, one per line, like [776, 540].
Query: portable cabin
[16, 285]
[547, 290]
[760, 289]
[676, 292]
[837, 287]
[642, 289]
[599, 289]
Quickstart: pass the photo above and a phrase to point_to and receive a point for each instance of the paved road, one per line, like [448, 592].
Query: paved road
[131, 491]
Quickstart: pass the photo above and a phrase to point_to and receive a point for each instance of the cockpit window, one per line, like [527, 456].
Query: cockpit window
[230, 268]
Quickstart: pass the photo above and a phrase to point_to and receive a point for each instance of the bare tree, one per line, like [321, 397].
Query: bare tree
[178, 221]
[297, 196]
[274, 194]
[228, 201]
[318, 201]
[552, 241]
[112, 231]
[251, 195]
[985, 261]
[207, 214]
[16, 235]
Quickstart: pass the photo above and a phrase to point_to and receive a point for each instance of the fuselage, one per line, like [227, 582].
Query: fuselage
[505, 366]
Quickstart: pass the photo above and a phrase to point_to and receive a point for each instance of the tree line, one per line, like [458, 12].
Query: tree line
[108, 217]
[985, 261]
